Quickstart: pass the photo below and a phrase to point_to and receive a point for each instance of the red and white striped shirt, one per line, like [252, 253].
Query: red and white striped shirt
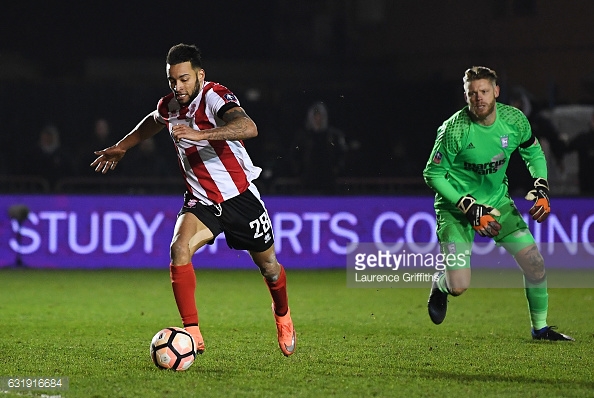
[214, 170]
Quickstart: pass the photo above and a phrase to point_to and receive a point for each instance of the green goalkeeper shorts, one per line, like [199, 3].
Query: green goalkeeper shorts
[456, 235]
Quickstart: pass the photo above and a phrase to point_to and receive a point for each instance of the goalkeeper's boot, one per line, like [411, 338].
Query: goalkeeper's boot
[548, 333]
[195, 332]
[438, 301]
[285, 332]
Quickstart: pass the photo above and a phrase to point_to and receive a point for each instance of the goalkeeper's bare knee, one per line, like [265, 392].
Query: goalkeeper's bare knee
[532, 263]
[456, 291]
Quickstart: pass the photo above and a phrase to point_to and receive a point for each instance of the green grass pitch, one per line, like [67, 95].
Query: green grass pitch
[94, 327]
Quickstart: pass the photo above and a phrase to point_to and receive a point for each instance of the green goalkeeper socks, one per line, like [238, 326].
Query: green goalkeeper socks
[538, 302]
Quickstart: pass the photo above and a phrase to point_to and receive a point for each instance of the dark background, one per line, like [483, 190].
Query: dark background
[389, 71]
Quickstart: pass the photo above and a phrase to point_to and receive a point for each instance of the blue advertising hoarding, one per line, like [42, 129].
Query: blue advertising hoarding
[68, 231]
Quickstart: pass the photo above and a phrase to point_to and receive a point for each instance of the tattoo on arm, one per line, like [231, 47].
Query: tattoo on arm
[234, 113]
[238, 126]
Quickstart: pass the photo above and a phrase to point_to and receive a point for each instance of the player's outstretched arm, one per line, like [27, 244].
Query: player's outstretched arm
[108, 158]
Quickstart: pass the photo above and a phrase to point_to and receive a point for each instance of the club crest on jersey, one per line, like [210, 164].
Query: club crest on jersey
[230, 97]
[437, 157]
[451, 248]
[191, 203]
[504, 141]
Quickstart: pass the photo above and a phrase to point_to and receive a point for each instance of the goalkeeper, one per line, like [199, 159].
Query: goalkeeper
[466, 169]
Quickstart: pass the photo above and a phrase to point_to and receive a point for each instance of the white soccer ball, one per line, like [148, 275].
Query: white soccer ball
[173, 348]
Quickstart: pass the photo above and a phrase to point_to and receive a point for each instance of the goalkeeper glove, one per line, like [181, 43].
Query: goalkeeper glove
[480, 216]
[540, 195]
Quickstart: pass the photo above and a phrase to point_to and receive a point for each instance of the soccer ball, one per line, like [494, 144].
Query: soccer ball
[173, 348]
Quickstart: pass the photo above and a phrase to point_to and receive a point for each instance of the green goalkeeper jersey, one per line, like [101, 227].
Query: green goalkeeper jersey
[469, 158]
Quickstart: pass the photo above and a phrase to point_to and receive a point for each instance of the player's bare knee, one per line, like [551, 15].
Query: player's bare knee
[536, 277]
[457, 291]
[270, 270]
[536, 271]
[178, 252]
[531, 262]
[458, 281]
[268, 264]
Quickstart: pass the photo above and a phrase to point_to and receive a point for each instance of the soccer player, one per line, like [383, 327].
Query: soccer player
[466, 169]
[207, 126]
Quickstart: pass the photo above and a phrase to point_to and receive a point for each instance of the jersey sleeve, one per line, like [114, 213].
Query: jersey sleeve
[163, 107]
[220, 99]
[446, 147]
[531, 151]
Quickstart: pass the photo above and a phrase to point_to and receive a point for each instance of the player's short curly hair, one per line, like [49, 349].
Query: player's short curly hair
[185, 53]
[478, 73]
